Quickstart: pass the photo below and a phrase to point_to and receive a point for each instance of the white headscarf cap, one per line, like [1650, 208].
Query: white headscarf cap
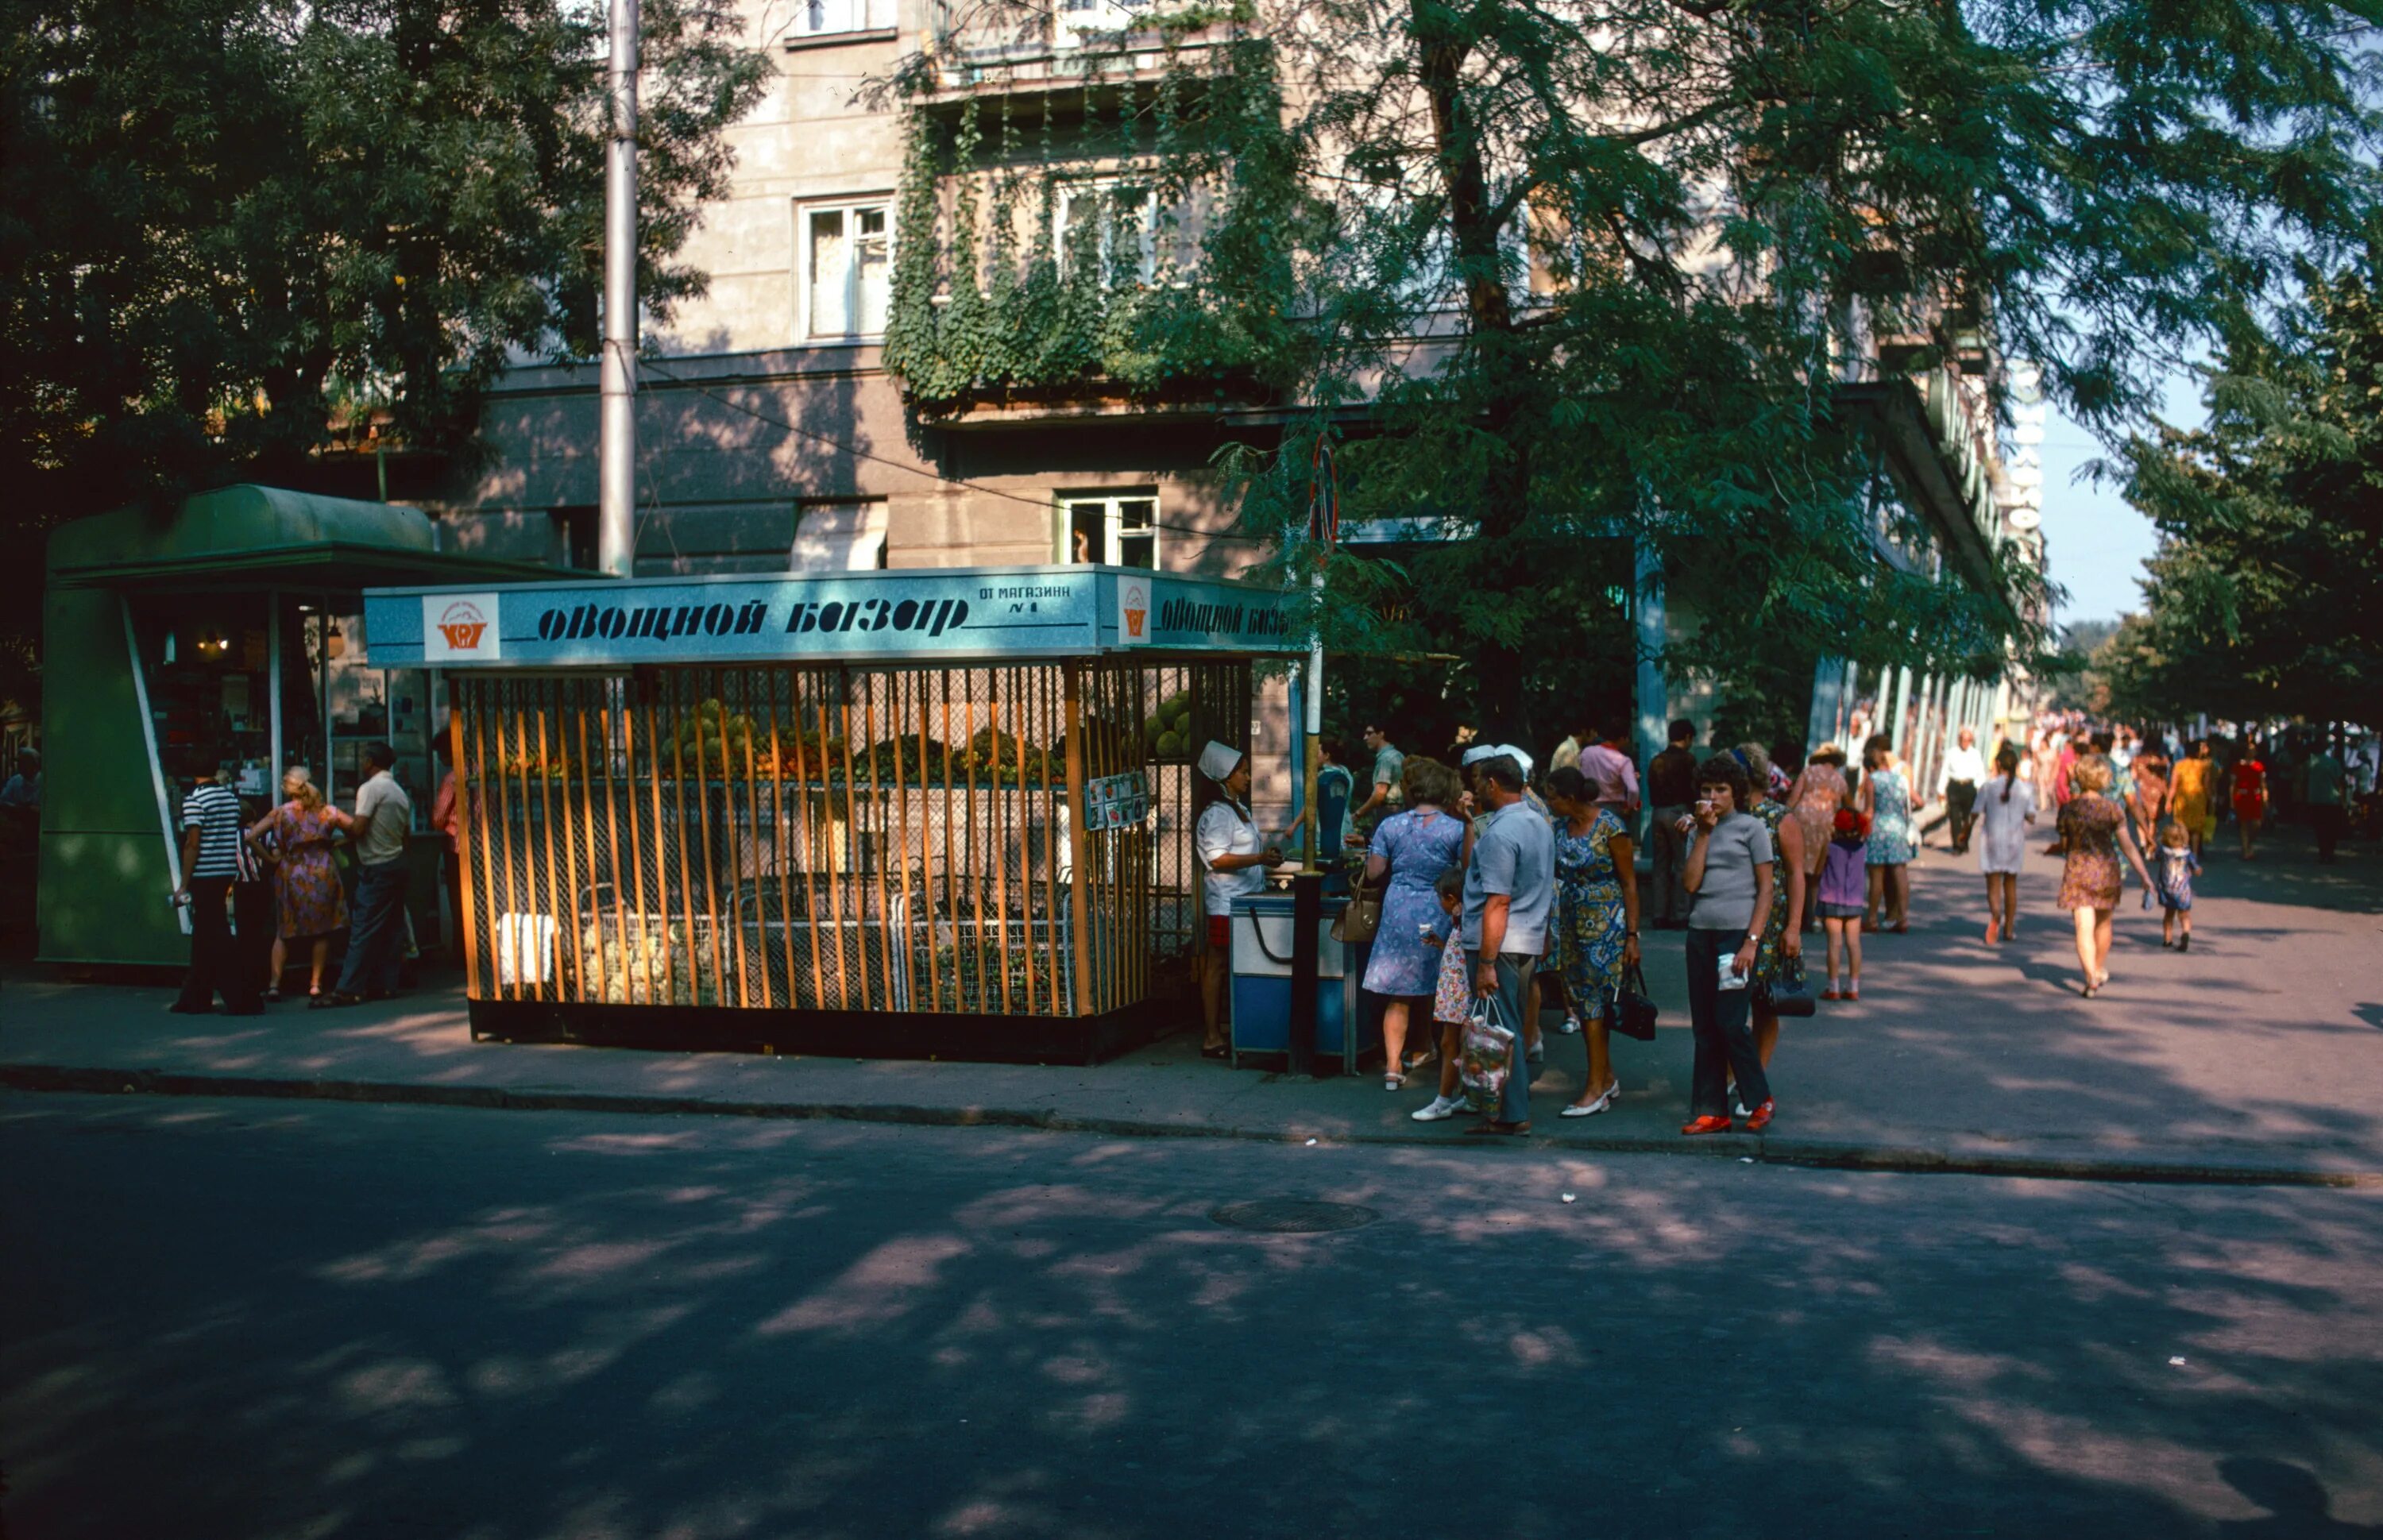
[1216, 760]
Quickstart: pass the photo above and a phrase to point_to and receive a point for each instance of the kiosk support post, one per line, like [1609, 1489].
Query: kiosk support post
[1079, 911]
[1307, 891]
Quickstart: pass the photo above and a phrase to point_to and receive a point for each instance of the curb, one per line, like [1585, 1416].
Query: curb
[1761, 1149]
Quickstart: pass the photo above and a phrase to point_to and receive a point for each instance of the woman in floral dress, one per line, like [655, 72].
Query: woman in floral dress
[308, 902]
[1597, 921]
[1781, 940]
[1412, 848]
[1886, 796]
[2094, 829]
[1818, 791]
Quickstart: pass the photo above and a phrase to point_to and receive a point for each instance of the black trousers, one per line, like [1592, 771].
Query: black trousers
[2329, 819]
[251, 914]
[1962, 802]
[216, 959]
[1725, 1039]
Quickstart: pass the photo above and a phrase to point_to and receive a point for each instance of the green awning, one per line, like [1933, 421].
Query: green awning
[265, 536]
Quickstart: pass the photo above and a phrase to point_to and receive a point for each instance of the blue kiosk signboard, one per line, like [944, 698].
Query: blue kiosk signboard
[899, 813]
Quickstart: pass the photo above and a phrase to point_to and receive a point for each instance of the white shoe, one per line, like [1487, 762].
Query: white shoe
[1738, 1110]
[1571, 1026]
[1603, 1103]
[1438, 1108]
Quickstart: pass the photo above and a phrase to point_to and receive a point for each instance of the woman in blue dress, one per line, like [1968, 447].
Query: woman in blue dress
[1597, 921]
[1413, 847]
[1885, 796]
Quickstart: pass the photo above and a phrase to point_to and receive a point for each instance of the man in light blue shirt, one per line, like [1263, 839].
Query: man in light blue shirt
[1509, 897]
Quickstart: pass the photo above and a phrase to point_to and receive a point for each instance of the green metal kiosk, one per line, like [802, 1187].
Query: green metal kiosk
[227, 628]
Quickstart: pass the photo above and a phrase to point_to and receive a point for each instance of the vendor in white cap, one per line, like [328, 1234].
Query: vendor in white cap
[1235, 856]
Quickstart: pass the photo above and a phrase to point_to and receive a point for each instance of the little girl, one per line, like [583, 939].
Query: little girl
[1453, 1003]
[2177, 867]
[1845, 893]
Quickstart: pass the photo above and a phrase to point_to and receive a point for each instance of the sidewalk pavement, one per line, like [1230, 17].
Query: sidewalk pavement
[2256, 1058]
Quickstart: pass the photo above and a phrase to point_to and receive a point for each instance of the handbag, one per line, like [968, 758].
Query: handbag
[1357, 922]
[1628, 1008]
[1791, 992]
[1485, 1051]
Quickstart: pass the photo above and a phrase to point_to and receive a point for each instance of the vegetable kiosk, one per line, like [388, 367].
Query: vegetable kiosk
[893, 814]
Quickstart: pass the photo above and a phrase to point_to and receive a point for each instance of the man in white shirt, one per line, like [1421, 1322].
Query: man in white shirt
[1956, 787]
[376, 919]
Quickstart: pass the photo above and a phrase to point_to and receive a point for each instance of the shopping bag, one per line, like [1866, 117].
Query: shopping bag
[1358, 923]
[1486, 1049]
[1629, 1010]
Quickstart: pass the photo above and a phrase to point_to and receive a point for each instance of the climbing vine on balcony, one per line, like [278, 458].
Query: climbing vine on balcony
[992, 297]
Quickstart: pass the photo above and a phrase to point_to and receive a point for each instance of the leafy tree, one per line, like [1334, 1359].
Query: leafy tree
[1634, 238]
[2266, 596]
[228, 225]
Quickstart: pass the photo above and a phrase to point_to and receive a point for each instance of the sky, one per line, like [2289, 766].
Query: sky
[2095, 541]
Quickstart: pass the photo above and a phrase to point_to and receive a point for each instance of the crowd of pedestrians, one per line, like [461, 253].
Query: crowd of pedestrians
[260, 890]
[1505, 893]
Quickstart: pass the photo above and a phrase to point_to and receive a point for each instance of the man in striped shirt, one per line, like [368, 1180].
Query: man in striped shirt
[212, 859]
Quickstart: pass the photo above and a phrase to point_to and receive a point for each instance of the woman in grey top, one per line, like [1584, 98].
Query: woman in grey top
[1729, 877]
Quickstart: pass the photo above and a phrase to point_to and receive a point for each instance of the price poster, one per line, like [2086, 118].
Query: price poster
[1116, 801]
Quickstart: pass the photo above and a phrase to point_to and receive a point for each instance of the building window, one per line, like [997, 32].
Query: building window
[1115, 530]
[847, 268]
[839, 536]
[1081, 18]
[827, 18]
[1169, 236]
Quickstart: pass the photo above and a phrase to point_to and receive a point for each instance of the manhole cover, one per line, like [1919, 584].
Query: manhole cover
[1292, 1216]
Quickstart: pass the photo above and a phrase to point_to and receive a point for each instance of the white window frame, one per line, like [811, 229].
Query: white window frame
[1115, 531]
[824, 18]
[1074, 20]
[851, 208]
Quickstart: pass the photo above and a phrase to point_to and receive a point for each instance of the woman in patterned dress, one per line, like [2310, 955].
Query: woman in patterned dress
[1886, 796]
[1818, 791]
[1597, 921]
[1781, 940]
[308, 903]
[2148, 800]
[1413, 848]
[2094, 829]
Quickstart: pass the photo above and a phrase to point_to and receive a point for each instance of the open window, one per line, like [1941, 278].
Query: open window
[828, 18]
[847, 268]
[1111, 528]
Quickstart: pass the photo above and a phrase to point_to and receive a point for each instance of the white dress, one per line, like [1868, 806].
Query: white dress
[2002, 841]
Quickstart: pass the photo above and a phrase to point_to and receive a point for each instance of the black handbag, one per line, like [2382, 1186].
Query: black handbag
[1791, 992]
[1628, 1009]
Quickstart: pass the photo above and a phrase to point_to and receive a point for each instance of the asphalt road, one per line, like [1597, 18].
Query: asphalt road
[268, 1321]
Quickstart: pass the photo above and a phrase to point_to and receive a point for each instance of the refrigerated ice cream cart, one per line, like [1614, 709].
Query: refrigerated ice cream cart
[943, 812]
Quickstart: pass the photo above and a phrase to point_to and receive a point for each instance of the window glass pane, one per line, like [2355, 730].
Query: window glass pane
[874, 270]
[1138, 551]
[1088, 531]
[830, 271]
[1136, 514]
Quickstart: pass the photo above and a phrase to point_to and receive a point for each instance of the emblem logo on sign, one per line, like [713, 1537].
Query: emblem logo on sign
[459, 628]
[1134, 608]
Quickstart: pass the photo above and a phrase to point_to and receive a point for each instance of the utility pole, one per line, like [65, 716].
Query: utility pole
[616, 475]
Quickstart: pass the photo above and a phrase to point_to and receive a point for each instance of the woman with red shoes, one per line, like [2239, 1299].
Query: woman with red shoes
[1730, 875]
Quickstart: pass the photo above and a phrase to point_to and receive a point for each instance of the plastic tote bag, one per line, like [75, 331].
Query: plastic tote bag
[1486, 1050]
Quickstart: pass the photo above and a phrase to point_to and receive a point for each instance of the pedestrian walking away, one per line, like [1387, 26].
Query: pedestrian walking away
[2008, 808]
[1671, 787]
[1818, 791]
[308, 904]
[1451, 1001]
[2192, 795]
[1234, 856]
[1509, 893]
[2328, 782]
[1885, 798]
[2173, 868]
[1842, 900]
[210, 864]
[2148, 803]
[1729, 879]
[376, 919]
[2250, 794]
[2095, 833]
[1596, 924]
[1411, 849]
